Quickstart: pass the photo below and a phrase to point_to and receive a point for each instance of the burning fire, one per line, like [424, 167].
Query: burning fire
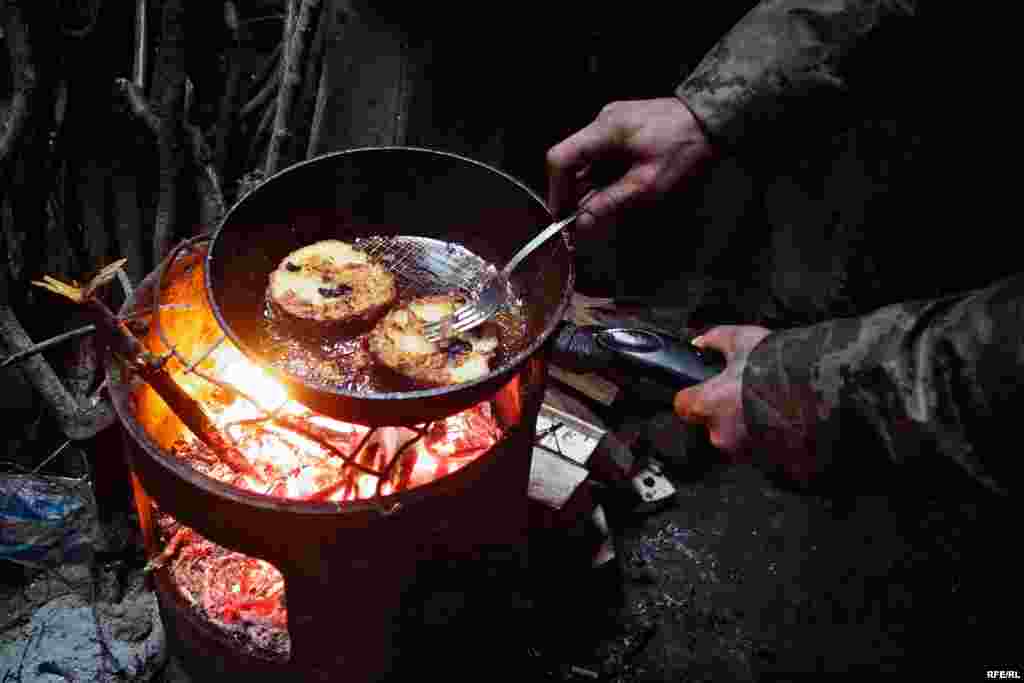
[302, 455]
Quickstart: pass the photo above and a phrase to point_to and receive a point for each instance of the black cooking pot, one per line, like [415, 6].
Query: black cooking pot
[386, 191]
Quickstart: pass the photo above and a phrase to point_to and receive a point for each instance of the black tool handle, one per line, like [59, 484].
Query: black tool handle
[680, 359]
[657, 361]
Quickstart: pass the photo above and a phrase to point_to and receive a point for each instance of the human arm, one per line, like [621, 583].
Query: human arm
[782, 59]
[790, 55]
[927, 383]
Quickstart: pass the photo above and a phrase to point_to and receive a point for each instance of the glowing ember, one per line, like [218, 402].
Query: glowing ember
[301, 455]
[241, 595]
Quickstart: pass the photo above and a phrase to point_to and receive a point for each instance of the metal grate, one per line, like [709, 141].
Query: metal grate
[424, 266]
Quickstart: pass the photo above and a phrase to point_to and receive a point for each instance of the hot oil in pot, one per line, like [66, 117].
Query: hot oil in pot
[344, 361]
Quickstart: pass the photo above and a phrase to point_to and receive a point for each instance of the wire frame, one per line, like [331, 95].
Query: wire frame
[191, 366]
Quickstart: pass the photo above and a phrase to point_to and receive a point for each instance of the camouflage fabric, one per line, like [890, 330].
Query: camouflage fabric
[928, 384]
[933, 382]
[783, 51]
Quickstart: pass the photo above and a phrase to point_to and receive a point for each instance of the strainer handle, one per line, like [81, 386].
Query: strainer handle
[546, 234]
[540, 239]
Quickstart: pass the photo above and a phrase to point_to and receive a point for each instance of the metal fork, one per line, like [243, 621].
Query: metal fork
[494, 293]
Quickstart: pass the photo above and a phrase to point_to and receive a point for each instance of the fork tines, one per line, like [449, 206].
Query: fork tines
[470, 318]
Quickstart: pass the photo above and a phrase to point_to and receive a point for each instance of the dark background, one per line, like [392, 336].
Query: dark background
[882, 198]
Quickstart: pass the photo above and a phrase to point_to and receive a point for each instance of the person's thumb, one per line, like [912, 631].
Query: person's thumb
[687, 405]
[613, 199]
[721, 338]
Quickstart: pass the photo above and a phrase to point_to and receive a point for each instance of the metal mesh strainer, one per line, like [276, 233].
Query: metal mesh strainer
[423, 266]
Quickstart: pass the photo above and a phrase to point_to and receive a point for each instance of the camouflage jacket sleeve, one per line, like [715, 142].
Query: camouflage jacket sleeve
[781, 52]
[932, 386]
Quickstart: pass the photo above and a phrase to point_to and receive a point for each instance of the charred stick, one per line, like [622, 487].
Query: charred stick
[151, 368]
[405, 470]
[317, 434]
[399, 457]
[326, 492]
[195, 451]
[23, 75]
[295, 48]
[183, 535]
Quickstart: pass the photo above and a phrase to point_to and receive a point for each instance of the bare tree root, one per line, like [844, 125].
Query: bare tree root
[296, 28]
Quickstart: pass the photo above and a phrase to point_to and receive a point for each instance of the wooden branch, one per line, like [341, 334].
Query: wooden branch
[270, 66]
[291, 9]
[168, 91]
[311, 81]
[259, 99]
[151, 369]
[261, 130]
[49, 343]
[141, 46]
[319, 111]
[208, 189]
[139, 105]
[295, 48]
[168, 96]
[68, 336]
[77, 422]
[23, 75]
[162, 112]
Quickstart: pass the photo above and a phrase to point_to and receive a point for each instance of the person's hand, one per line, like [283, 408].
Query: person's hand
[718, 402]
[658, 142]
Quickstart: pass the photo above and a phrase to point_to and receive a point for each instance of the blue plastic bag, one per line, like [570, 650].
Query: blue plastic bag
[46, 521]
